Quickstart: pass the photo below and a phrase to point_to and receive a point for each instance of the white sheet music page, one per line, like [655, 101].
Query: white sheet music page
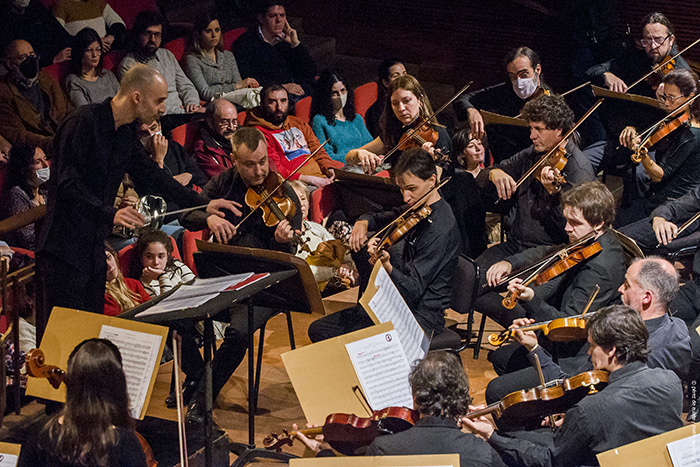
[388, 305]
[382, 368]
[685, 452]
[139, 353]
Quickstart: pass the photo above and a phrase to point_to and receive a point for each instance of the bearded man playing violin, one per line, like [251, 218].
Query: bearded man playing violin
[535, 216]
[420, 263]
[589, 209]
[638, 402]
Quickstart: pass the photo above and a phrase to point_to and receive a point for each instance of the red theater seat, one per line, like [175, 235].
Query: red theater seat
[365, 96]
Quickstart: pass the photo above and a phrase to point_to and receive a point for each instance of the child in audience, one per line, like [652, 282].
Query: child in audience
[159, 270]
[121, 293]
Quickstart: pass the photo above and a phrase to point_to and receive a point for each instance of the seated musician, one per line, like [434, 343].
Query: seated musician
[658, 43]
[650, 286]
[406, 106]
[440, 390]
[536, 218]
[290, 139]
[588, 209]
[420, 264]
[674, 165]
[525, 76]
[250, 169]
[638, 402]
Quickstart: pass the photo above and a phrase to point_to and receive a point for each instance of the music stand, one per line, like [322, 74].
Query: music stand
[358, 194]
[297, 293]
[206, 312]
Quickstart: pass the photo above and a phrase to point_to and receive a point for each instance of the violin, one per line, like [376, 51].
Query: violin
[400, 229]
[557, 330]
[556, 160]
[275, 206]
[663, 68]
[38, 368]
[557, 396]
[418, 135]
[348, 432]
[570, 257]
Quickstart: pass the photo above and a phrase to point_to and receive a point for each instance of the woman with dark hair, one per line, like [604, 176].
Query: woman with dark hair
[407, 105]
[388, 71]
[27, 171]
[88, 82]
[94, 428]
[212, 70]
[671, 168]
[333, 116]
[158, 269]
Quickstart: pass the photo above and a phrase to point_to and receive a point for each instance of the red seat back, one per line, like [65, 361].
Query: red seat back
[321, 204]
[58, 71]
[365, 96]
[187, 135]
[126, 256]
[177, 47]
[230, 37]
[189, 246]
[112, 60]
[302, 109]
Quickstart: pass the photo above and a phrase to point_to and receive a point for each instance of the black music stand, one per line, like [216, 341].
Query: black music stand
[225, 300]
[298, 292]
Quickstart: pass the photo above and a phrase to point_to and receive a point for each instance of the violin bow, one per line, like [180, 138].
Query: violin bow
[580, 86]
[568, 134]
[269, 195]
[683, 227]
[660, 65]
[590, 300]
[413, 131]
[182, 435]
[417, 205]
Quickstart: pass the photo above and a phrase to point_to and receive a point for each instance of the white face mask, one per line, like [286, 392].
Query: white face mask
[43, 174]
[22, 3]
[525, 87]
[339, 102]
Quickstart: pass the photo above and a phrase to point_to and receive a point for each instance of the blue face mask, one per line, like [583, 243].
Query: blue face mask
[43, 174]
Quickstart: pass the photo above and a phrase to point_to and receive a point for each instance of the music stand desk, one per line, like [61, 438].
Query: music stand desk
[206, 312]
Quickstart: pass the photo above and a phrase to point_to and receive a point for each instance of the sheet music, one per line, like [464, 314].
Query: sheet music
[685, 452]
[8, 460]
[139, 353]
[192, 296]
[388, 305]
[383, 370]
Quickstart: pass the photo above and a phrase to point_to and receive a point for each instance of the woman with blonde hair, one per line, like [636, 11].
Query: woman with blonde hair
[121, 293]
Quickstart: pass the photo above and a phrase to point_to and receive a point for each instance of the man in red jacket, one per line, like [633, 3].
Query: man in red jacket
[289, 139]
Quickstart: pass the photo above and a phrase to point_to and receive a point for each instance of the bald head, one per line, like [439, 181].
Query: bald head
[17, 48]
[222, 117]
[142, 94]
[140, 78]
[650, 285]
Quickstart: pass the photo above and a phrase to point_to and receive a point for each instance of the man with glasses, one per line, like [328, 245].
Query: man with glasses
[658, 42]
[183, 98]
[32, 103]
[212, 152]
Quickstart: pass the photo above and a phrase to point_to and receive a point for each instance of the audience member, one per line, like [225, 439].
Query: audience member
[88, 82]
[27, 172]
[157, 268]
[121, 293]
[183, 99]
[272, 53]
[31, 21]
[212, 69]
[212, 152]
[75, 15]
[333, 116]
[32, 103]
[388, 71]
[289, 139]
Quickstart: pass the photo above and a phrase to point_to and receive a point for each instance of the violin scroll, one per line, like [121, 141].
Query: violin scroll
[37, 368]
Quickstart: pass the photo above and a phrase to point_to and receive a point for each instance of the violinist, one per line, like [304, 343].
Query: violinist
[638, 402]
[407, 106]
[650, 286]
[673, 167]
[588, 209]
[657, 44]
[94, 427]
[440, 389]
[536, 218]
[420, 263]
[250, 169]
[508, 98]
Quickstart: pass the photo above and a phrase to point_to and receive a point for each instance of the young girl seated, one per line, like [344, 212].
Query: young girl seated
[330, 260]
[121, 293]
[159, 270]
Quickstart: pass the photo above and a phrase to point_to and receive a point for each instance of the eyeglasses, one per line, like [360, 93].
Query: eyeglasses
[95, 51]
[665, 98]
[654, 41]
[155, 35]
[223, 123]
[23, 57]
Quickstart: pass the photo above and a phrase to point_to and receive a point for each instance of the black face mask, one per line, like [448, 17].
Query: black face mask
[29, 67]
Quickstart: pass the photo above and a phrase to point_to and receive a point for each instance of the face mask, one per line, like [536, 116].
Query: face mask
[22, 3]
[29, 67]
[525, 87]
[339, 102]
[43, 174]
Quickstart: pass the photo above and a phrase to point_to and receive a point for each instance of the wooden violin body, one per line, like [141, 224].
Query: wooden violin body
[555, 397]
[666, 129]
[556, 160]
[347, 432]
[557, 330]
[402, 228]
